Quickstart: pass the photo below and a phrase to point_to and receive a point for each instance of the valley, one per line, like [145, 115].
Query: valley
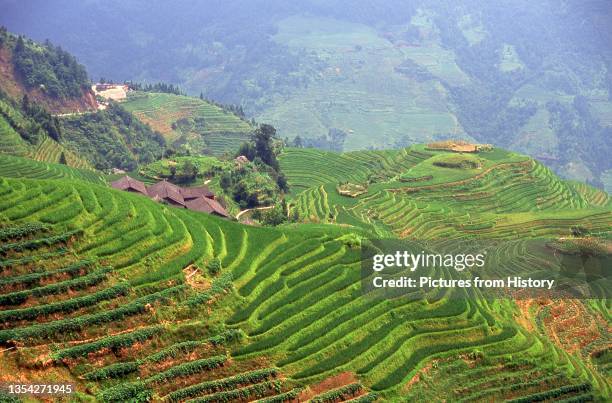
[114, 280]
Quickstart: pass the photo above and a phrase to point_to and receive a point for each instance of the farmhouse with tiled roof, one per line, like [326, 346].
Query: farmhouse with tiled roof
[195, 198]
[207, 205]
[130, 185]
[196, 192]
[168, 192]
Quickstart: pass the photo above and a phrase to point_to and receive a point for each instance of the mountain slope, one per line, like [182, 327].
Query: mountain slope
[419, 193]
[289, 300]
[192, 123]
[39, 81]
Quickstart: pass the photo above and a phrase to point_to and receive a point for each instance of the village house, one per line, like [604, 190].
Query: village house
[241, 160]
[195, 198]
[167, 192]
[196, 192]
[130, 185]
[207, 205]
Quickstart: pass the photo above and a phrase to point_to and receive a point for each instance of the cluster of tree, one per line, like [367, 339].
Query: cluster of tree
[157, 87]
[279, 214]
[112, 138]
[47, 67]
[250, 186]
[29, 119]
[37, 113]
[4, 35]
[186, 173]
[263, 150]
[187, 125]
[332, 141]
[259, 181]
[413, 70]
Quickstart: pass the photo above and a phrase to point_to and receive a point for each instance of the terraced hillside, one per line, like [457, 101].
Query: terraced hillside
[187, 120]
[18, 167]
[307, 168]
[47, 150]
[114, 292]
[10, 141]
[424, 197]
[51, 151]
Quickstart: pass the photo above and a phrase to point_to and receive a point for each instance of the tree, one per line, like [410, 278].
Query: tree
[274, 216]
[262, 137]
[297, 142]
[20, 45]
[247, 150]
[25, 104]
[53, 127]
[190, 171]
[226, 181]
[62, 159]
[281, 181]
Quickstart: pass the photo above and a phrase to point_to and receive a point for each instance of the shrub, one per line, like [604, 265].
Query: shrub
[133, 392]
[189, 368]
[214, 266]
[335, 394]
[18, 297]
[64, 306]
[221, 384]
[113, 342]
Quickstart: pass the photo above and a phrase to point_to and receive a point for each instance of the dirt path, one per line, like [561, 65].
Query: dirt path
[255, 208]
[63, 115]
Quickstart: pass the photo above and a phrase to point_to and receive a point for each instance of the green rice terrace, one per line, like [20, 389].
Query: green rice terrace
[11, 143]
[132, 300]
[192, 121]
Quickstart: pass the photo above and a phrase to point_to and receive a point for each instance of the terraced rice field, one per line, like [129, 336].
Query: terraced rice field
[416, 199]
[354, 85]
[309, 167]
[10, 141]
[110, 290]
[50, 151]
[17, 167]
[222, 131]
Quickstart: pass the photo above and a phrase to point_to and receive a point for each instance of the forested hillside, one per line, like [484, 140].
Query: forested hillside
[27, 129]
[45, 73]
[112, 138]
[40, 80]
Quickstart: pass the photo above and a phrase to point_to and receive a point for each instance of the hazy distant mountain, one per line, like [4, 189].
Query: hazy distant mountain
[532, 76]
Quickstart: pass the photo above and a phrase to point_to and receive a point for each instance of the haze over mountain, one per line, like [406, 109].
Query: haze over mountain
[533, 77]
